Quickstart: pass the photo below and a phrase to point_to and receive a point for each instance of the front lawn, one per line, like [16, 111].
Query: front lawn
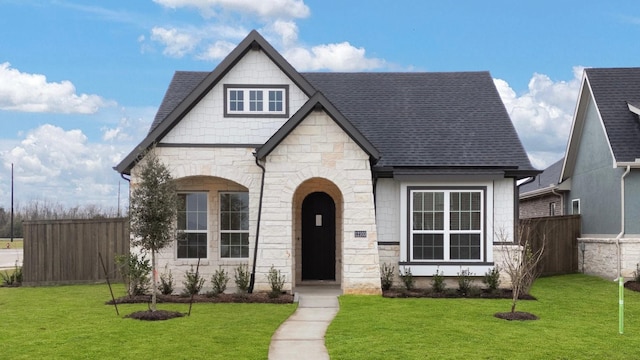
[72, 322]
[578, 320]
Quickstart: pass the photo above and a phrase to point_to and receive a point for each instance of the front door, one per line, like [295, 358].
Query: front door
[318, 237]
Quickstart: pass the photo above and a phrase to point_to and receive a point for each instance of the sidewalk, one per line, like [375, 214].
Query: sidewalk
[8, 258]
[301, 336]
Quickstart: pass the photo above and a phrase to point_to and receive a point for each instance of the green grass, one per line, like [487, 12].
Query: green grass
[72, 322]
[578, 320]
[16, 244]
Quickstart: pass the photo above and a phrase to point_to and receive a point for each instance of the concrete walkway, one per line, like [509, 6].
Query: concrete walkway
[301, 336]
[8, 258]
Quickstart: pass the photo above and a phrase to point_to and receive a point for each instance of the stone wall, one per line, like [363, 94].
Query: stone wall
[600, 256]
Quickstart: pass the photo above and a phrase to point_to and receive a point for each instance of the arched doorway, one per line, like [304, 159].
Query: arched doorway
[318, 237]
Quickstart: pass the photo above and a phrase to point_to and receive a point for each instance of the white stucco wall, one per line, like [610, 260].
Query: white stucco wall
[206, 124]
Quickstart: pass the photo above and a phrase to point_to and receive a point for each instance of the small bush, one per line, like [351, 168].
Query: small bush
[219, 281]
[465, 279]
[276, 281]
[166, 282]
[407, 279]
[386, 276]
[492, 279]
[636, 274]
[135, 273]
[193, 282]
[13, 279]
[242, 277]
[437, 282]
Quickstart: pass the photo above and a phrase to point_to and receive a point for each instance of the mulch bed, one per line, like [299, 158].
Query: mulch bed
[516, 315]
[259, 297]
[453, 294]
[632, 285]
[149, 315]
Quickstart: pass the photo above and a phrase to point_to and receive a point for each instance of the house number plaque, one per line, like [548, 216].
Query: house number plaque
[361, 233]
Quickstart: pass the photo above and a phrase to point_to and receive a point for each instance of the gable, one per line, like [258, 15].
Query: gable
[612, 92]
[208, 122]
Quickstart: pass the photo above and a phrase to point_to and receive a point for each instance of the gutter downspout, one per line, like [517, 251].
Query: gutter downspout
[619, 253]
[252, 280]
[553, 191]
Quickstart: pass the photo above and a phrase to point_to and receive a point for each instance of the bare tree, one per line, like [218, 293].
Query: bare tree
[521, 260]
[153, 211]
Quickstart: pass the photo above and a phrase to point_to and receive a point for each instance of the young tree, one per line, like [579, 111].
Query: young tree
[522, 262]
[153, 208]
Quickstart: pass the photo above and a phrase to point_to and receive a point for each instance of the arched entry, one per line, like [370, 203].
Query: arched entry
[318, 237]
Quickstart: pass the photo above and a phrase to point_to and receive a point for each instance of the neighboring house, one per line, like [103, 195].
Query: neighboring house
[543, 196]
[325, 176]
[602, 164]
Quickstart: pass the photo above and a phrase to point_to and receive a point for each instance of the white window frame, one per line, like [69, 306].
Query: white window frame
[264, 90]
[575, 204]
[446, 231]
[232, 231]
[194, 231]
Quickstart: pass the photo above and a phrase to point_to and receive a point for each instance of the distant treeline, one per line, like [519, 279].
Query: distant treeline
[42, 210]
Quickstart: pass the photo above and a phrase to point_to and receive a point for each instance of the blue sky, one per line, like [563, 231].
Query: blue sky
[80, 81]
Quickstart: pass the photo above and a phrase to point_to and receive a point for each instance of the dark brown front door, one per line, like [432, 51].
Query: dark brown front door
[318, 237]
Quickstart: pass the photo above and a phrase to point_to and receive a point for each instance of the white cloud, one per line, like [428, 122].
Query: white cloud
[217, 50]
[32, 93]
[177, 42]
[262, 8]
[63, 166]
[335, 57]
[542, 116]
[287, 30]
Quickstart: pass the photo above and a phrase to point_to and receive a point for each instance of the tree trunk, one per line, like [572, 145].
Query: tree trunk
[155, 280]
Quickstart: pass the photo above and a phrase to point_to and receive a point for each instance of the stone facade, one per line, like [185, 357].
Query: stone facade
[600, 256]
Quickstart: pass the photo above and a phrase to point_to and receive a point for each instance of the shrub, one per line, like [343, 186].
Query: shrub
[219, 281]
[407, 278]
[135, 273]
[492, 279]
[386, 276]
[437, 282]
[193, 282]
[636, 274]
[13, 279]
[464, 281]
[242, 277]
[166, 283]
[276, 281]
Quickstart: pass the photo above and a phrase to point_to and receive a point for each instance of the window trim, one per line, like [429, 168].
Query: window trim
[186, 231]
[265, 113]
[573, 206]
[483, 222]
[220, 231]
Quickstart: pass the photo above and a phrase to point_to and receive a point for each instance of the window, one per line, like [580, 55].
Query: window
[234, 225]
[256, 100]
[552, 209]
[446, 225]
[575, 206]
[192, 226]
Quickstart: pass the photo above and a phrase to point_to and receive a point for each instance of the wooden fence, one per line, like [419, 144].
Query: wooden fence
[66, 251]
[561, 234]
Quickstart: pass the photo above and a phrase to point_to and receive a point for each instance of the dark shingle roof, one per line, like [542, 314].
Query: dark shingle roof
[427, 119]
[182, 83]
[612, 88]
[550, 176]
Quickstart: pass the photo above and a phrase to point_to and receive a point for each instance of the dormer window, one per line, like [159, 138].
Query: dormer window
[256, 100]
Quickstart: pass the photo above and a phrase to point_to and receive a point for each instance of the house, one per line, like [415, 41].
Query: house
[326, 176]
[543, 195]
[602, 165]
